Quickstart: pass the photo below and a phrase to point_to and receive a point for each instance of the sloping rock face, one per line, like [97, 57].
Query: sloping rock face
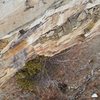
[18, 13]
[48, 27]
[73, 74]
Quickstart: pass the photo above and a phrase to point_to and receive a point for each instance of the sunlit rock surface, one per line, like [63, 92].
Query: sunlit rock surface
[44, 27]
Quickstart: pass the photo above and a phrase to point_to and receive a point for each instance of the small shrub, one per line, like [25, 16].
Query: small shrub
[26, 84]
[25, 76]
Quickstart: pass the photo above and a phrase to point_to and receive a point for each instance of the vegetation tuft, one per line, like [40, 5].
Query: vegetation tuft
[25, 76]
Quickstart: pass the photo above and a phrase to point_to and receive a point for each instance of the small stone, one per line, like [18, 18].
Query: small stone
[67, 28]
[91, 1]
[94, 95]
[82, 16]
[60, 34]
[91, 11]
[50, 34]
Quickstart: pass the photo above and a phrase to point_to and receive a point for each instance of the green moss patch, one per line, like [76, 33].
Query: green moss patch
[25, 76]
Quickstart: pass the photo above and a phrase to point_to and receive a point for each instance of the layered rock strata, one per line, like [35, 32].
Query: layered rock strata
[59, 26]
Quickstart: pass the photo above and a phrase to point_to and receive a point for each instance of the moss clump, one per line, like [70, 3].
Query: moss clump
[25, 84]
[25, 76]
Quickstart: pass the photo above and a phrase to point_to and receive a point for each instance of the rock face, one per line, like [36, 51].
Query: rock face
[43, 27]
[73, 74]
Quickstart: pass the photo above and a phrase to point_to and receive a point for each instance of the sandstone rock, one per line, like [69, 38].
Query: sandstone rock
[39, 23]
[82, 16]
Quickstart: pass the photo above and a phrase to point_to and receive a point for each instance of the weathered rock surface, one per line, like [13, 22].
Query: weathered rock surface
[48, 27]
[73, 74]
